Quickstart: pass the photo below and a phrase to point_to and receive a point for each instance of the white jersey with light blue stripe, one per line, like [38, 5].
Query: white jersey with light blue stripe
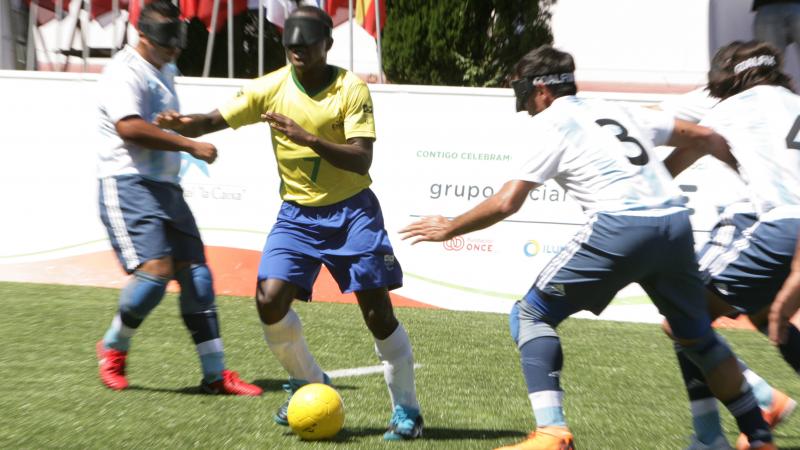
[762, 127]
[602, 154]
[130, 86]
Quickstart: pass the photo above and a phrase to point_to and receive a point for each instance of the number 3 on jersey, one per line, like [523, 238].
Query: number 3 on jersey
[638, 160]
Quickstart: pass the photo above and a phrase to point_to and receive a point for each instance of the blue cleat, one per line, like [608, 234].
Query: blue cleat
[281, 417]
[406, 423]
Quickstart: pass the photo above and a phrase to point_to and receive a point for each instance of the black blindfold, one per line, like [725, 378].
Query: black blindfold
[304, 31]
[166, 34]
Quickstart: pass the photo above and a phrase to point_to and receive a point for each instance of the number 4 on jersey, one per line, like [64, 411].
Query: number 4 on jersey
[791, 138]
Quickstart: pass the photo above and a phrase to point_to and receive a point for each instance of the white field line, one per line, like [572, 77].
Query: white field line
[358, 371]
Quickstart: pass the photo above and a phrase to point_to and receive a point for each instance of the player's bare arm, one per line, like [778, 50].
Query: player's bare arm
[693, 142]
[355, 155]
[505, 202]
[787, 302]
[191, 125]
[137, 130]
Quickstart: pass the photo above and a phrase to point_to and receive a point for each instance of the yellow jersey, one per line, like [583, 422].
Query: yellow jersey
[340, 111]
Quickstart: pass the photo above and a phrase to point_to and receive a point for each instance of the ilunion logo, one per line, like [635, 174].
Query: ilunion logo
[531, 248]
[188, 161]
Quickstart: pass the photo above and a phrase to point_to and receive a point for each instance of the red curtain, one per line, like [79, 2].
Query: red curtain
[189, 9]
[99, 7]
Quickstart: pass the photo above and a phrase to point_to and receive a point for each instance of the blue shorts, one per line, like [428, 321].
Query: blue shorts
[614, 250]
[749, 272]
[148, 219]
[348, 237]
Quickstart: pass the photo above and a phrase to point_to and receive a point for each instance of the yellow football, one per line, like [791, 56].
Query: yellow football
[316, 411]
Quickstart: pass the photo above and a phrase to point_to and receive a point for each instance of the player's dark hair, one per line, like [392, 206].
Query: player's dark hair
[740, 66]
[546, 60]
[157, 10]
[308, 10]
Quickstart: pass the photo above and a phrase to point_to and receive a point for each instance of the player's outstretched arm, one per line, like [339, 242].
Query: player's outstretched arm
[505, 202]
[786, 303]
[693, 142]
[355, 155]
[191, 125]
[145, 134]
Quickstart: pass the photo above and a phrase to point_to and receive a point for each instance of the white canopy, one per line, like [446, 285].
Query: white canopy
[365, 51]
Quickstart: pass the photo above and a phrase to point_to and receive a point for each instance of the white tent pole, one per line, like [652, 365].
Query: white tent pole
[30, 57]
[210, 44]
[85, 33]
[114, 17]
[230, 38]
[350, 17]
[260, 37]
[45, 48]
[378, 28]
[59, 18]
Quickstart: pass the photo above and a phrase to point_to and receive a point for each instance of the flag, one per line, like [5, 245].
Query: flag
[278, 10]
[202, 9]
[363, 13]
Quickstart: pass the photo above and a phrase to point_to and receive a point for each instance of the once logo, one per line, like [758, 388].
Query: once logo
[455, 244]
[531, 248]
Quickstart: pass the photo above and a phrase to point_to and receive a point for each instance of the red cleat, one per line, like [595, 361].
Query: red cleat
[230, 384]
[112, 366]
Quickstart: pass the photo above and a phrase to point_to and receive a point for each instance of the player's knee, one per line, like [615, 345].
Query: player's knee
[197, 288]
[525, 324]
[161, 267]
[380, 320]
[707, 352]
[142, 294]
[273, 296]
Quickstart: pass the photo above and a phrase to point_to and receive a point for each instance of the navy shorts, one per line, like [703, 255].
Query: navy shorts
[614, 250]
[749, 272]
[348, 237]
[148, 219]
[733, 221]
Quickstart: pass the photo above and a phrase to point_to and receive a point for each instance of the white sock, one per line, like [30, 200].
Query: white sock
[285, 339]
[761, 389]
[398, 367]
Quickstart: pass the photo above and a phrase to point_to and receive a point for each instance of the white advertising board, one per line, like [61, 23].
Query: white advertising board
[440, 150]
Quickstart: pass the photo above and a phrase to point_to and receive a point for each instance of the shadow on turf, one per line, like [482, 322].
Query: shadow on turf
[268, 385]
[277, 385]
[349, 434]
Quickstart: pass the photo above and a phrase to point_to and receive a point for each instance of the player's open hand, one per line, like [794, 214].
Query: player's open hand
[204, 151]
[783, 308]
[289, 127]
[170, 120]
[431, 229]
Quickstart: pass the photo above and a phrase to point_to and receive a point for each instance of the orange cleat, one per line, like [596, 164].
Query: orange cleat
[767, 446]
[112, 366]
[545, 438]
[781, 408]
[230, 384]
